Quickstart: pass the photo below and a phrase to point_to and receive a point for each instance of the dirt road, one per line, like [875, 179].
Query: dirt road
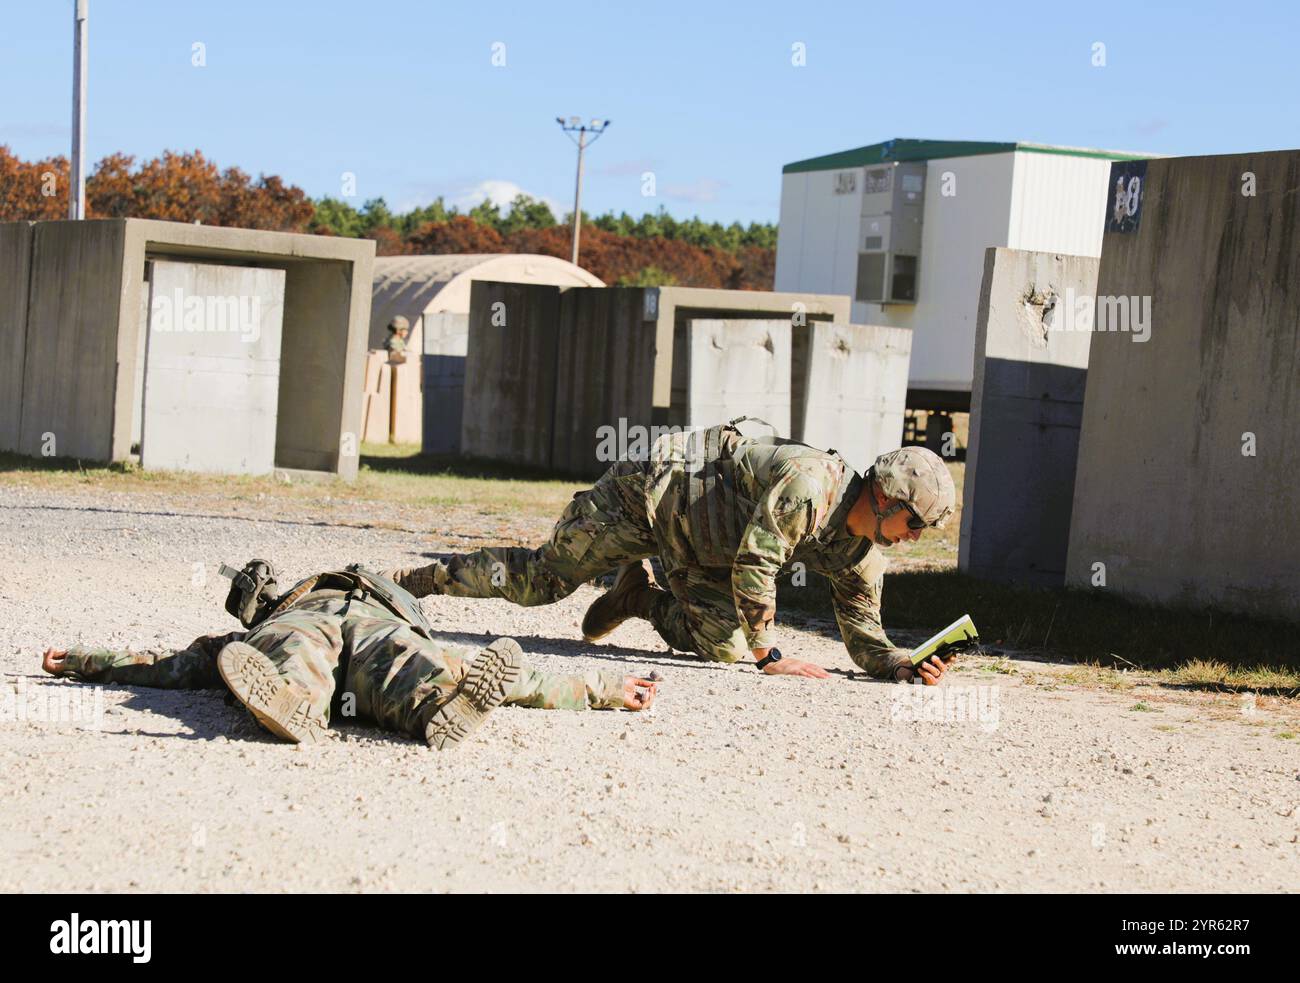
[1010, 777]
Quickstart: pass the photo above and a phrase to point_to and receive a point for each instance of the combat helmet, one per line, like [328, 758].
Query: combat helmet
[252, 591]
[920, 481]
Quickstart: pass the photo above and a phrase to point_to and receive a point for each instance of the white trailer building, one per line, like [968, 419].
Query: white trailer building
[902, 226]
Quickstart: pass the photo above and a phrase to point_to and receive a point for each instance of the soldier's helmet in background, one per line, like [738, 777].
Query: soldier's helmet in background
[920, 478]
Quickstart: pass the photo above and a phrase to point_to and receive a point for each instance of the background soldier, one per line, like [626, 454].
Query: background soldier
[399, 328]
[725, 513]
[350, 641]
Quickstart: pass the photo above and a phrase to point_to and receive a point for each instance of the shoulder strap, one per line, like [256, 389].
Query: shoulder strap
[389, 594]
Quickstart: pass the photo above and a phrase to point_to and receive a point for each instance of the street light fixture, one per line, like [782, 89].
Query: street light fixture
[571, 126]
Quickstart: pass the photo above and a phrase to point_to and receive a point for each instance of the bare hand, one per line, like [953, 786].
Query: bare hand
[638, 694]
[54, 662]
[796, 667]
[929, 671]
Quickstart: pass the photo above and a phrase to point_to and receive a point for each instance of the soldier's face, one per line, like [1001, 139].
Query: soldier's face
[895, 528]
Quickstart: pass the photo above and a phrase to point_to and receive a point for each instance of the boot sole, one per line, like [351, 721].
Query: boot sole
[280, 706]
[491, 674]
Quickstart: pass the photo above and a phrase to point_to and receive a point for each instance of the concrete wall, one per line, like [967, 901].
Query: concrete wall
[510, 367]
[83, 348]
[671, 307]
[212, 373]
[446, 340]
[569, 362]
[604, 373]
[15, 269]
[74, 344]
[854, 389]
[326, 306]
[731, 368]
[1026, 407]
[1165, 497]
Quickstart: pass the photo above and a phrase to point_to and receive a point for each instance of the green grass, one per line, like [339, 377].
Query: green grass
[388, 474]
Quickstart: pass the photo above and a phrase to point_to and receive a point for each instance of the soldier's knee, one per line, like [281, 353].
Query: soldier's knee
[729, 650]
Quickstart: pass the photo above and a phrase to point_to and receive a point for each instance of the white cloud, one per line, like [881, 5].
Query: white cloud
[499, 192]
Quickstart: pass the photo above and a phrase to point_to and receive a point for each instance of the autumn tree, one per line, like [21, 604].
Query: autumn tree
[35, 191]
[459, 234]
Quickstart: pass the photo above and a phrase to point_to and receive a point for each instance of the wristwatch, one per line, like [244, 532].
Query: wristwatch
[774, 655]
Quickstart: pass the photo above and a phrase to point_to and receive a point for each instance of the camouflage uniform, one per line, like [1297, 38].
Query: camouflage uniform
[353, 655]
[725, 514]
[395, 343]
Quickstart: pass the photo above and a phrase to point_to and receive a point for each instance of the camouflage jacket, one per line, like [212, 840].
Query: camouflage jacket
[759, 506]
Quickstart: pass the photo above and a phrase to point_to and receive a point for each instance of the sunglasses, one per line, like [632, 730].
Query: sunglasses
[914, 521]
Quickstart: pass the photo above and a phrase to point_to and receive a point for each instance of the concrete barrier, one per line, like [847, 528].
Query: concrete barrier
[1186, 489]
[849, 388]
[15, 271]
[734, 368]
[604, 375]
[509, 409]
[1026, 407]
[614, 360]
[446, 339]
[87, 315]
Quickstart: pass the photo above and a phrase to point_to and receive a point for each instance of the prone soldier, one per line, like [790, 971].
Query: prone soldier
[350, 640]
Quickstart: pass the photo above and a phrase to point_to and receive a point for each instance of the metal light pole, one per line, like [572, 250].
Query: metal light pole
[77, 188]
[571, 126]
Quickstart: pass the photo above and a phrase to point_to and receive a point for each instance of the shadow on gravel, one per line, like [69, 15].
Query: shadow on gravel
[212, 714]
[570, 648]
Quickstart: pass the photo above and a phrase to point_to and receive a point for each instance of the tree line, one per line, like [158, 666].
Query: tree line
[655, 249]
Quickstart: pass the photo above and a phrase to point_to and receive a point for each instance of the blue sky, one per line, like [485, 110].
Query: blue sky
[405, 95]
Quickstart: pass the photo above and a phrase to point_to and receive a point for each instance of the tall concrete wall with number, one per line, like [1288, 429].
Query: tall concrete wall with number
[77, 327]
[1031, 366]
[1187, 489]
[849, 388]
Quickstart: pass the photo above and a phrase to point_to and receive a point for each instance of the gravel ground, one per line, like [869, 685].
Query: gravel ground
[1010, 780]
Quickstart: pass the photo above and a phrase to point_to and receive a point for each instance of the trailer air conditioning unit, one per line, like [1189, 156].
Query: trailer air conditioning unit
[889, 246]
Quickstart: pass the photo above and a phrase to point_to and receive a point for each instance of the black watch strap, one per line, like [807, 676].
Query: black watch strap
[773, 655]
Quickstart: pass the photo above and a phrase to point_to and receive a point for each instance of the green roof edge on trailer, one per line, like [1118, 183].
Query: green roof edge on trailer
[902, 148]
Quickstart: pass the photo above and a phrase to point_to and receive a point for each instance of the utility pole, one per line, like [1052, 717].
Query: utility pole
[77, 187]
[572, 125]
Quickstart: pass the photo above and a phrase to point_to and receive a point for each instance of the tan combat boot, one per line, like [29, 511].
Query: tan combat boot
[629, 598]
[281, 706]
[491, 675]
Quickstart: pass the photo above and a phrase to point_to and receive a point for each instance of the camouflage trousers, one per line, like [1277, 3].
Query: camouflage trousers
[353, 658]
[602, 528]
